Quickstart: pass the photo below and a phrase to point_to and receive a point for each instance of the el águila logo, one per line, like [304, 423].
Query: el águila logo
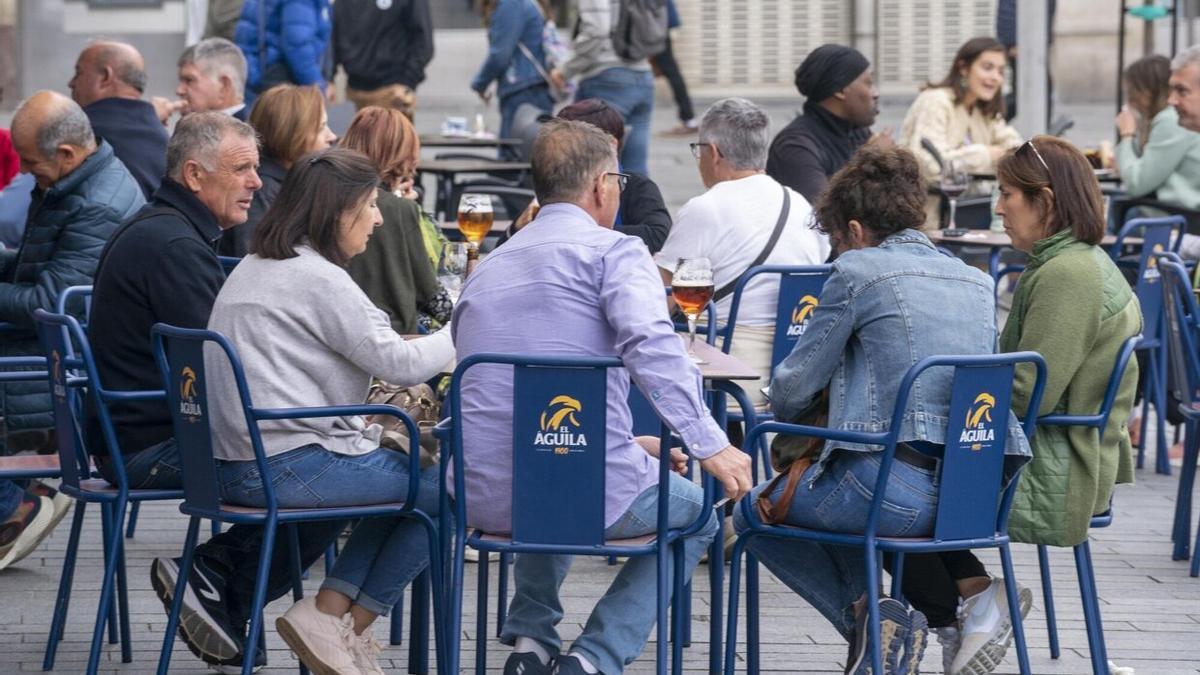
[1152, 274]
[559, 428]
[188, 406]
[979, 422]
[801, 315]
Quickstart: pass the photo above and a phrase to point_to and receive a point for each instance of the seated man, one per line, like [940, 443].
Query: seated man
[161, 266]
[734, 225]
[601, 288]
[109, 80]
[212, 78]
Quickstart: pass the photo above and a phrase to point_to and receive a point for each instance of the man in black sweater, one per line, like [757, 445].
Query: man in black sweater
[840, 107]
[161, 266]
[384, 47]
[109, 80]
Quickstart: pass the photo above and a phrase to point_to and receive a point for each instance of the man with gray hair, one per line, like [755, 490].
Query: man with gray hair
[567, 284]
[109, 80]
[746, 218]
[212, 78]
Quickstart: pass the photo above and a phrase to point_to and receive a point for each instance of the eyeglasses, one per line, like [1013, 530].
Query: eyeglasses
[1037, 154]
[622, 179]
[696, 148]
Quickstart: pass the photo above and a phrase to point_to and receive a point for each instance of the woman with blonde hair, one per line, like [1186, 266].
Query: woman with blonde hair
[291, 122]
[395, 270]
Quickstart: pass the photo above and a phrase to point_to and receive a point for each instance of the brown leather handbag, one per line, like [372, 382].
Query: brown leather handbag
[790, 457]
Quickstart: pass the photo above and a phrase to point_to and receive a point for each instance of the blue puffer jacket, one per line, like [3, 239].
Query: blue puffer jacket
[513, 22]
[297, 36]
[67, 228]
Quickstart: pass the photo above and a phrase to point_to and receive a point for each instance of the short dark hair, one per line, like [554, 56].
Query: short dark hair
[880, 188]
[965, 56]
[317, 191]
[596, 112]
[1078, 204]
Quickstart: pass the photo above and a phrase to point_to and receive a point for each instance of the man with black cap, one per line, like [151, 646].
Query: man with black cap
[840, 106]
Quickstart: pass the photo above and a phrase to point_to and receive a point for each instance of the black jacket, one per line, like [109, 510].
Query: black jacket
[137, 137]
[235, 242]
[812, 148]
[378, 47]
[643, 213]
[159, 266]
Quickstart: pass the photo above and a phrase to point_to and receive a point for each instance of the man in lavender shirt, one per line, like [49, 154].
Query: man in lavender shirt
[567, 284]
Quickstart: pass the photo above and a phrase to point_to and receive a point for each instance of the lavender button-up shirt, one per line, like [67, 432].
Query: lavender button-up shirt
[565, 286]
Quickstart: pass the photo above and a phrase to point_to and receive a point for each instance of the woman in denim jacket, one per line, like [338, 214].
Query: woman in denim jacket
[891, 300]
[516, 60]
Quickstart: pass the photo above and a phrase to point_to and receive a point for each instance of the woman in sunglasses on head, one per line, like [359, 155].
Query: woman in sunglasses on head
[1075, 308]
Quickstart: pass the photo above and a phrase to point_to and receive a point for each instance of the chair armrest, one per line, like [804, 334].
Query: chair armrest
[123, 396]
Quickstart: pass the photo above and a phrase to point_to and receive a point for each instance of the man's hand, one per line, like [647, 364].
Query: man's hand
[164, 108]
[731, 467]
[1126, 122]
[652, 445]
[485, 96]
[557, 80]
[883, 139]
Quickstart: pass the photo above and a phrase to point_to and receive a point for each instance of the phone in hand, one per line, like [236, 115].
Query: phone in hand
[955, 232]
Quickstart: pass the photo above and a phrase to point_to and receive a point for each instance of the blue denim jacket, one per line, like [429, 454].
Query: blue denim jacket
[882, 310]
[513, 22]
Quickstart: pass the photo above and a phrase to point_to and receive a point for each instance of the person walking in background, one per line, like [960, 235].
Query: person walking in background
[665, 65]
[841, 102]
[384, 47]
[517, 59]
[284, 41]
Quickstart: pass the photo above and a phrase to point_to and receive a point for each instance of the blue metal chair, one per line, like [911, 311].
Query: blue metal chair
[71, 367]
[228, 262]
[1182, 327]
[180, 355]
[563, 475]
[1158, 235]
[972, 508]
[1083, 553]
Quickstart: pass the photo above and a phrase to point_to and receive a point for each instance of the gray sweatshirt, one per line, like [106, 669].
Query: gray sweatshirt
[592, 50]
[307, 336]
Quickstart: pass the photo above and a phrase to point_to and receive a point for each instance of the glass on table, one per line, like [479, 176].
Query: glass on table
[692, 288]
[954, 183]
[452, 268]
[475, 217]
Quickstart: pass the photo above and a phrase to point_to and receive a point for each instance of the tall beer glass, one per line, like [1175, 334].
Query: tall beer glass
[475, 217]
[692, 287]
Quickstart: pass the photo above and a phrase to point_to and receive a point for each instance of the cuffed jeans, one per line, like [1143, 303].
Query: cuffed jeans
[11, 494]
[384, 553]
[832, 577]
[620, 624]
[631, 93]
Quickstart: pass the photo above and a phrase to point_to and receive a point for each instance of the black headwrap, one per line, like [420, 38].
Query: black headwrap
[828, 69]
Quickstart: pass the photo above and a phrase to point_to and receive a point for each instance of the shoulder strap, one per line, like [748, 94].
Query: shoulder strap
[725, 290]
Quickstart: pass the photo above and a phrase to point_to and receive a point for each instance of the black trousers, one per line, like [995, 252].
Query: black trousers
[665, 62]
[930, 582]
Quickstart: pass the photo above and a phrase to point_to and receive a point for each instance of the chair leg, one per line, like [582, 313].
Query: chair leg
[873, 625]
[686, 604]
[63, 600]
[1048, 599]
[1014, 610]
[1163, 461]
[396, 631]
[1145, 421]
[1195, 571]
[112, 556]
[679, 617]
[1091, 607]
[454, 591]
[330, 558]
[663, 578]
[898, 576]
[106, 525]
[502, 592]
[481, 614]
[298, 576]
[753, 643]
[716, 594]
[123, 604]
[189, 546]
[260, 592]
[735, 566]
[133, 517]
[1181, 530]
[418, 639]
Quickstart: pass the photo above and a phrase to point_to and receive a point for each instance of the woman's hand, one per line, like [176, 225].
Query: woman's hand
[526, 216]
[405, 190]
[679, 460]
[1126, 122]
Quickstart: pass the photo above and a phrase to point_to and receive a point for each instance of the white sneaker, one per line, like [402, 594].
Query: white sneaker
[985, 629]
[366, 653]
[472, 555]
[950, 639]
[321, 641]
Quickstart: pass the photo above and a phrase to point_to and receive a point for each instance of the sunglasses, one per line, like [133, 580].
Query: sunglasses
[1031, 146]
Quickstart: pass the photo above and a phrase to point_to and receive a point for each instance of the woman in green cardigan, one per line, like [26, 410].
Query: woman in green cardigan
[1075, 308]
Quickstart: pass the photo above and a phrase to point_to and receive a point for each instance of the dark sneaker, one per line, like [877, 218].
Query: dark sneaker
[568, 665]
[893, 631]
[204, 624]
[24, 530]
[914, 646]
[234, 666]
[62, 503]
[527, 663]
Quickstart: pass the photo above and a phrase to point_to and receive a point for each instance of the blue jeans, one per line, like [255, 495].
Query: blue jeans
[154, 468]
[620, 624]
[383, 554]
[832, 577]
[11, 494]
[537, 95]
[631, 93]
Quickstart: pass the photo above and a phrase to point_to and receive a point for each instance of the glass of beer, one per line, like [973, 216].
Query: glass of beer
[692, 287]
[475, 217]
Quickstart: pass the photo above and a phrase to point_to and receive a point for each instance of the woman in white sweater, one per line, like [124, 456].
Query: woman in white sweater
[308, 336]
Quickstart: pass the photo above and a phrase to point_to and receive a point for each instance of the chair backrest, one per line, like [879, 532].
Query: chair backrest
[76, 301]
[1159, 235]
[228, 262]
[799, 295]
[1181, 319]
[559, 444]
[68, 353]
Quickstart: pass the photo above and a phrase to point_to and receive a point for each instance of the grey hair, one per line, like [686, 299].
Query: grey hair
[198, 138]
[216, 57]
[567, 155]
[64, 124]
[741, 130]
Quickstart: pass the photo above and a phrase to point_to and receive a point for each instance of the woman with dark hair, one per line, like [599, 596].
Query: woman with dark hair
[307, 336]
[395, 271]
[291, 122]
[642, 212]
[517, 60]
[891, 300]
[963, 115]
[1074, 307]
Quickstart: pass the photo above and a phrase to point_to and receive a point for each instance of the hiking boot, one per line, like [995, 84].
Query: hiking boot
[986, 628]
[323, 642]
[204, 622]
[914, 646]
[893, 632]
[32, 522]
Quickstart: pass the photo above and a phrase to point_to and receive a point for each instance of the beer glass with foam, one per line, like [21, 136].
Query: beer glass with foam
[692, 287]
[475, 217]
